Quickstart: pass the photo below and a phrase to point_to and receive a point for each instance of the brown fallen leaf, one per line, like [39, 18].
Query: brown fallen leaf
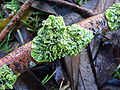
[42, 6]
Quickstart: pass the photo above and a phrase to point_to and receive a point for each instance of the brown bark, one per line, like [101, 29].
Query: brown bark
[82, 11]
[19, 60]
[97, 24]
[15, 19]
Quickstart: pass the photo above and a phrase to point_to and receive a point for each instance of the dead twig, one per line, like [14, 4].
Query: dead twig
[15, 19]
[19, 60]
[83, 11]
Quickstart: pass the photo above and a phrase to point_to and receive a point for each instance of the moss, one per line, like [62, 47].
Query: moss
[7, 78]
[55, 40]
[113, 16]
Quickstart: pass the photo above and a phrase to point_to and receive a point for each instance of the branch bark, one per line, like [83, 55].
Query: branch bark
[15, 19]
[19, 60]
[97, 24]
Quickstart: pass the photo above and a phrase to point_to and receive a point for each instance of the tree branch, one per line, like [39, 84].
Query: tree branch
[15, 19]
[19, 60]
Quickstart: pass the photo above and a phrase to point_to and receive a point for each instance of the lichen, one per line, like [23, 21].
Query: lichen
[55, 40]
[113, 16]
[7, 78]
[80, 36]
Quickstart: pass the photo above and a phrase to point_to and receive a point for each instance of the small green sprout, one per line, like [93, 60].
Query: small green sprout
[14, 6]
[47, 78]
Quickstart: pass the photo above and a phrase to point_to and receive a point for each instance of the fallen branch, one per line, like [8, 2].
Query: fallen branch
[19, 60]
[82, 11]
[15, 19]
[97, 24]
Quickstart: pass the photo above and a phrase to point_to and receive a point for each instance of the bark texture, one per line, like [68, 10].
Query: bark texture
[10, 26]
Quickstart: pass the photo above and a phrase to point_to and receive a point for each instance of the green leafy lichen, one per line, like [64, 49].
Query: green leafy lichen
[55, 40]
[113, 16]
[80, 36]
[7, 78]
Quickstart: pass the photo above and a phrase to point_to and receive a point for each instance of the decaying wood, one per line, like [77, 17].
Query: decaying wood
[82, 11]
[15, 19]
[19, 60]
[97, 24]
[79, 68]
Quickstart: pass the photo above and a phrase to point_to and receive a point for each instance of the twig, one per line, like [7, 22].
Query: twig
[19, 60]
[15, 19]
[83, 11]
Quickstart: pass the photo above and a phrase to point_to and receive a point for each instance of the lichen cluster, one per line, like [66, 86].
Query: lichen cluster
[7, 78]
[113, 16]
[55, 40]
